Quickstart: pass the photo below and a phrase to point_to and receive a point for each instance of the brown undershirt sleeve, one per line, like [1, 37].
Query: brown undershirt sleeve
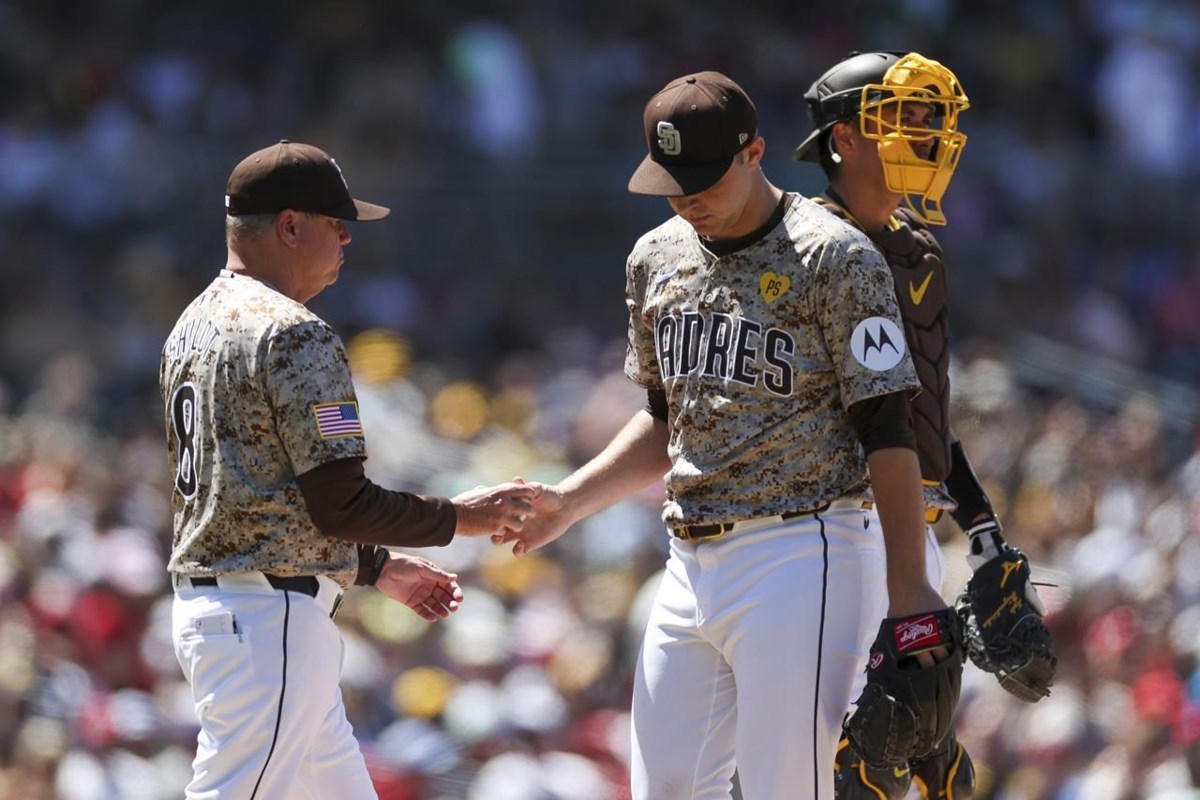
[656, 403]
[346, 505]
[884, 421]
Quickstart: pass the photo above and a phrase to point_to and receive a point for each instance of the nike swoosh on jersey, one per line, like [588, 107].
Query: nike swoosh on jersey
[918, 294]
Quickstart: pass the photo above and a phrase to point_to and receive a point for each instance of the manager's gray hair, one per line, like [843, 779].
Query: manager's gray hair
[247, 226]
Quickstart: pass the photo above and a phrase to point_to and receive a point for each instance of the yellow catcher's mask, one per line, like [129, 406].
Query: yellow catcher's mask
[913, 115]
[906, 103]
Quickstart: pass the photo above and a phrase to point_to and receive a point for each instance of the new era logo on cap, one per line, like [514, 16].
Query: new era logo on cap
[296, 176]
[694, 128]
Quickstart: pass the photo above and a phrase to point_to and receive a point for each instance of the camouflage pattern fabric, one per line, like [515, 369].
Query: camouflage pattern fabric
[760, 353]
[244, 375]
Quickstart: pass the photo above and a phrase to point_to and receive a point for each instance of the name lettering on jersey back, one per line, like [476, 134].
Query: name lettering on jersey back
[197, 336]
[726, 347]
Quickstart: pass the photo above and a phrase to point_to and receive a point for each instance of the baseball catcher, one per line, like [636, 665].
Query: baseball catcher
[885, 125]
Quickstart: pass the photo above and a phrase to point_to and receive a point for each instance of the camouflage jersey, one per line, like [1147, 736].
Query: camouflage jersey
[919, 272]
[257, 391]
[761, 353]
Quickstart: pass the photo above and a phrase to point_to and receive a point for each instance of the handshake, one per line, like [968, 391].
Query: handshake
[527, 515]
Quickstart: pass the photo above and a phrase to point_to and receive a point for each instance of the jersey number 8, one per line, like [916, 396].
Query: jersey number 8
[183, 420]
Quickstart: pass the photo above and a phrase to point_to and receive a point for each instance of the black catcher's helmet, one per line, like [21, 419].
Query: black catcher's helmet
[837, 95]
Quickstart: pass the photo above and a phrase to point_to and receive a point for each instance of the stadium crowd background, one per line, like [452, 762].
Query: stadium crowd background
[485, 325]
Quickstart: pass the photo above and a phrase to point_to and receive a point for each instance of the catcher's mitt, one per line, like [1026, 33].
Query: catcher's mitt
[905, 710]
[1003, 628]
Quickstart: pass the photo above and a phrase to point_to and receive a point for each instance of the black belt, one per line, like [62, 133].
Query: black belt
[305, 584]
[721, 528]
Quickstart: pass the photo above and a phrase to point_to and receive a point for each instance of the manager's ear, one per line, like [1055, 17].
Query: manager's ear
[287, 223]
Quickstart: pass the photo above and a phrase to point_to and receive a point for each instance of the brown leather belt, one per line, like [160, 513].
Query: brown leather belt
[707, 531]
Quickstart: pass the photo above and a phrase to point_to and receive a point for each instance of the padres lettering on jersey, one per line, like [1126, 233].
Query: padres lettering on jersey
[726, 347]
[257, 390]
[760, 353]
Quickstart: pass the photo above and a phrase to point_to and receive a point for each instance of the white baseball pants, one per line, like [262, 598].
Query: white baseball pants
[750, 654]
[264, 667]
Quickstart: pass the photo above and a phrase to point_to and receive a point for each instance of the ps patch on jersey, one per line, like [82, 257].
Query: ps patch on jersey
[877, 343]
[337, 419]
[772, 286]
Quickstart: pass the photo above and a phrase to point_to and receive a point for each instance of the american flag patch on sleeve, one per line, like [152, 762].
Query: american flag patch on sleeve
[337, 419]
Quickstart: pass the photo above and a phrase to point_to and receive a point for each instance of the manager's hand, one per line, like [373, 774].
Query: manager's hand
[491, 510]
[421, 585]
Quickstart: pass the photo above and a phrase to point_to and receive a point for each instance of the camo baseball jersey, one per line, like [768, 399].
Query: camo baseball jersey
[760, 353]
[257, 391]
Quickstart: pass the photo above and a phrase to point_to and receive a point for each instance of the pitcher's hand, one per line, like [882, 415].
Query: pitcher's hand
[913, 598]
[550, 520]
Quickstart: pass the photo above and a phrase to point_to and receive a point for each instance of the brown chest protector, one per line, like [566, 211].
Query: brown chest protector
[915, 258]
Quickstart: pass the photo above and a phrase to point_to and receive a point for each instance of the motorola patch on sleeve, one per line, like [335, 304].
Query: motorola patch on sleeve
[877, 343]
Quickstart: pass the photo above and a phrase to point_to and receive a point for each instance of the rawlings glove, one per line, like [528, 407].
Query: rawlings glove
[1003, 628]
[905, 710]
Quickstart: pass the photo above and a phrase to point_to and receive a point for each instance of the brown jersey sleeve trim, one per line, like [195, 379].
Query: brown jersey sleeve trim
[346, 505]
[884, 421]
[656, 403]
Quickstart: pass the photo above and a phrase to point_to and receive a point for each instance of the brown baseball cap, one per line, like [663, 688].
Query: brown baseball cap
[694, 128]
[296, 176]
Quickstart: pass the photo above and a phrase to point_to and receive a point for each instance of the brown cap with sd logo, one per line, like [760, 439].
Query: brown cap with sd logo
[694, 127]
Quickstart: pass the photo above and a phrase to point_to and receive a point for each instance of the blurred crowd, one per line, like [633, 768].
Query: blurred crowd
[485, 323]
[523, 694]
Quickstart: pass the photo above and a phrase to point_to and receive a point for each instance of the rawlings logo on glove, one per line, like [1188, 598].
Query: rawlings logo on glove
[905, 710]
[917, 635]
